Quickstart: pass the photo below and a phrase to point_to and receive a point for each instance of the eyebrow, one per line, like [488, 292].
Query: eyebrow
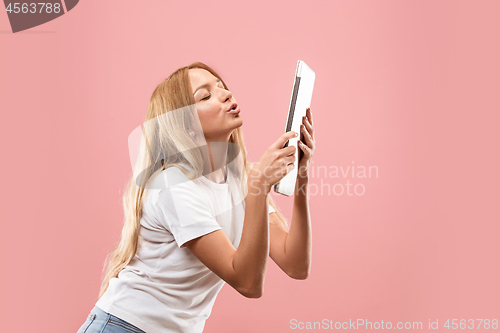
[205, 85]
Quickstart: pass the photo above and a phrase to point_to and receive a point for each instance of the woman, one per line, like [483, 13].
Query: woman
[198, 214]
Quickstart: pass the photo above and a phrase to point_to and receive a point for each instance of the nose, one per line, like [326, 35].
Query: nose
[225, 95]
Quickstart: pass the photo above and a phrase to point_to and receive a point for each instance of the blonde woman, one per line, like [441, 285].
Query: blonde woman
[198, 214]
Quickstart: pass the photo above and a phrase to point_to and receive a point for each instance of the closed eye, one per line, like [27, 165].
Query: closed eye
[205, 98]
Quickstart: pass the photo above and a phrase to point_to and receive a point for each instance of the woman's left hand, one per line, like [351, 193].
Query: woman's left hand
[308, 148]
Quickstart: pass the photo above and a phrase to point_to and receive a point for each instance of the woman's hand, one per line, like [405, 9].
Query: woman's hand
[275, 164]
[308, 148]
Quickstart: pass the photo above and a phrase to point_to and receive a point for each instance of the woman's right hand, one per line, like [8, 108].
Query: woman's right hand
[274, 164]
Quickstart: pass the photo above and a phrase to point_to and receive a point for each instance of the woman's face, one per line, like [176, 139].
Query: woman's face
[213, 103]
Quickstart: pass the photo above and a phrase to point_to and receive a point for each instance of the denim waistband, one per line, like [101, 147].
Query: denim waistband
[100, 321]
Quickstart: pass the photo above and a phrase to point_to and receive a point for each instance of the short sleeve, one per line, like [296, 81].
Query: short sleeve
[271, 209]
[183, 208]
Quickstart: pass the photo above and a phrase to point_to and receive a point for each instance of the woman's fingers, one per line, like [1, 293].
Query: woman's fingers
[307, 136]
[290, 150]
[308, 130]
[309, 126]
[305, 148]
[309, 115]
[283, 139]
[290, 159]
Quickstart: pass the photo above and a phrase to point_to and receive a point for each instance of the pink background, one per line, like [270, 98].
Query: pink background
[410, 87]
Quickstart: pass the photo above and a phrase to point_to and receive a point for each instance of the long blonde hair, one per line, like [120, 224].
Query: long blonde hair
[159, 135]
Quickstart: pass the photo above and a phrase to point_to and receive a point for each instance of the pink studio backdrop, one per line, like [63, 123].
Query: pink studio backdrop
[409, 88]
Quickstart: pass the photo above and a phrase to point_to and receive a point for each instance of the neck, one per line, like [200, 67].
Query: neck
[216, 161]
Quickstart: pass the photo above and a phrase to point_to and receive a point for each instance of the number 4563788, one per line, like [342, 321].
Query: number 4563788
[33, 8]
[471, 324]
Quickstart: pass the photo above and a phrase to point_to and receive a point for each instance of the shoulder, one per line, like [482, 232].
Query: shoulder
[180, 186]
[173, 175]
[173, 172]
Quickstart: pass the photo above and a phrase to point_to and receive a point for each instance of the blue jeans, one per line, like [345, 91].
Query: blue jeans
[99, 321]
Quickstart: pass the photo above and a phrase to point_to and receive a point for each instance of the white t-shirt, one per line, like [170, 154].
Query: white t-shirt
[165, 288]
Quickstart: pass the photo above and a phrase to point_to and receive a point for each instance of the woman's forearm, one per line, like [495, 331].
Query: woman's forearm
[298, 246]
[250, 259]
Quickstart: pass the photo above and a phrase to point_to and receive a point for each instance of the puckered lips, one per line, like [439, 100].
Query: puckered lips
[233, 109]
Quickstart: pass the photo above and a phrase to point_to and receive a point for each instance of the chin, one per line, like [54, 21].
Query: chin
[238, 122]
